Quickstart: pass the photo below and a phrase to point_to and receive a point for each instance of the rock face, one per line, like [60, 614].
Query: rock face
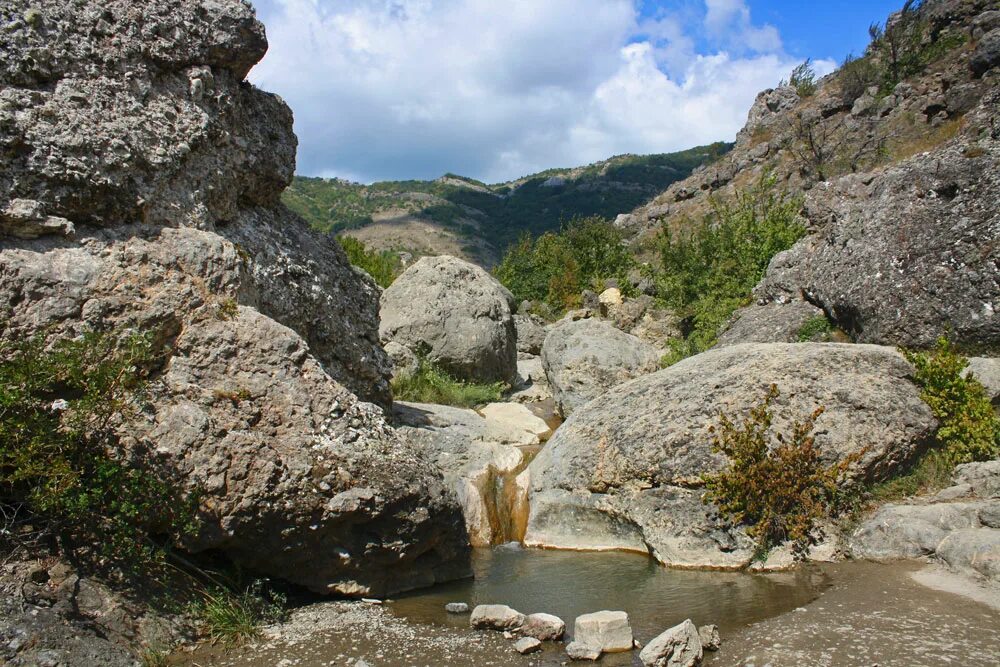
[680, 646]
[584, 358]
[902, 256]
[987, 371]
[960, 526]
[530, 333]
[131, 120]
[624, 472]
[455, 313]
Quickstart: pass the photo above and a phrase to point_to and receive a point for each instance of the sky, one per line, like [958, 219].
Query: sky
[497, 89]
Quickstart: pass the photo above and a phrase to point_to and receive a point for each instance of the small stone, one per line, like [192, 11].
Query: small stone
[526, 645]
[579, 651]
[545, 627]
[710, 638]
[457, 608]
[680, 646]
[495, 617]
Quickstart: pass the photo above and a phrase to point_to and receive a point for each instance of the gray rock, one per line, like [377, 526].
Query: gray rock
[526, 645]
[530, 333]
[983, 477]
[987, 53]
[580, 651]
[987, 371]
[774, 322]
[457, 314]
[607, 631]
[402, 358]
[495, 617]
[680, 646]
[617, 473]
[545, 627]
[710, 638]
[974, 551]
[457, 608]
[138, 129]
[584, 358]
[928, 209]
[910, 531]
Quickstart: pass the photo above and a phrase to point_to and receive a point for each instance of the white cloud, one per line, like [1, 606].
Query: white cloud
[414, 88]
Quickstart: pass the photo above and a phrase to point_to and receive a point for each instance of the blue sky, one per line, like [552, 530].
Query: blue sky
[393, 89]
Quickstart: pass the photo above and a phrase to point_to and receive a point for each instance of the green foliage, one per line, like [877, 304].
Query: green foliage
[556, 267]
[780, 490]
[233, 617]
[430, 384]
[855, 76]
[383, 266]
[803, 79]
[154, 657]
[60, 458]
[969, 428]
[506, 211]
[815, 330]
[228, 309]
[707, 272]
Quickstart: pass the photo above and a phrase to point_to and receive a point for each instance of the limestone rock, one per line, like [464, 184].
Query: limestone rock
[680, 646]
[584, 358]
[771, 323]
[402, 358]
[909, 531]
[710, 638]
[495, 617]
[974, 551]
[987, 371]
[983, 477]
[526, 645]
[545, 627]
[478, 463]
[515, 423]
[581, 651]
[618, 474]
[987, 54]
[530, 333]
[607, 631]
[129, 123]
[455, 313]
[904, 254]
[457, 608]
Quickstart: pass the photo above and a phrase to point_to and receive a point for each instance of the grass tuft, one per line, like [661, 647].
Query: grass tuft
[430, 384]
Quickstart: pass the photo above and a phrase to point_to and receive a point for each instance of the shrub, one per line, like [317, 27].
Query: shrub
[430, 384]
[815, 329]
[779, 490]
[233, 617]
[61, 461]
[969, 428]
[856, 75]
[803, 79]
[556, 267]
[384, 267]
[708, 272]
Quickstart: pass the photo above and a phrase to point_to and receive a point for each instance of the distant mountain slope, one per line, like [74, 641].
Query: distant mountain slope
[461, 216]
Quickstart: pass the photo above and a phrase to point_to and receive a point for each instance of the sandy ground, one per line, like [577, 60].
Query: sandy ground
[909, 615]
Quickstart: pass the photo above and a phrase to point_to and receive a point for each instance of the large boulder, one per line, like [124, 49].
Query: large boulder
[140, 190]
[584, 358]
[680, 646]
[625, 472]
[901, 256]
[455, 313]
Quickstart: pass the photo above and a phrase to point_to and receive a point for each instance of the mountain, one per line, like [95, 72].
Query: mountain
[467, 218]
